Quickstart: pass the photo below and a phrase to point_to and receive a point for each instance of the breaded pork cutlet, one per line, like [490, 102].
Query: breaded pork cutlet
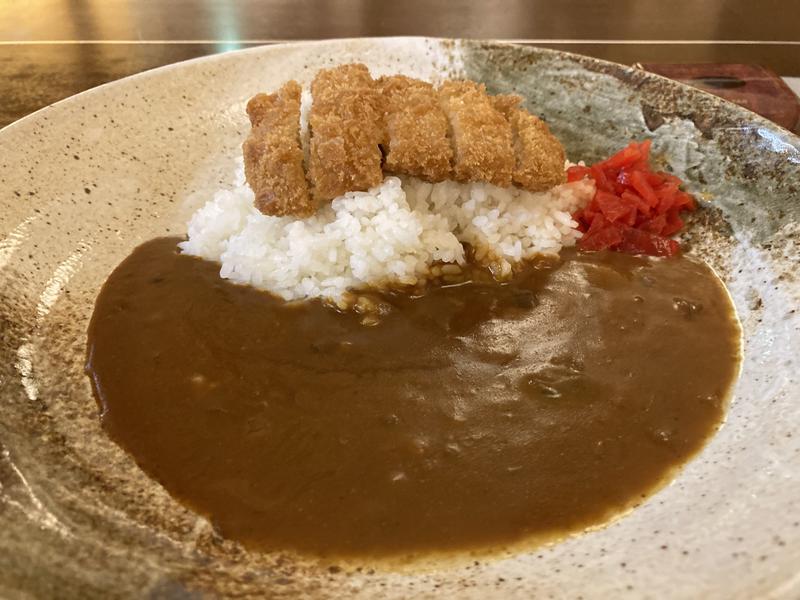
[455, 132]
[273, 157]
[481, 136]
[346, 131]
[416, 129]
[539, 155]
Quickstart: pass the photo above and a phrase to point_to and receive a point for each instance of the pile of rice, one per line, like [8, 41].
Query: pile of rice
[394, 233]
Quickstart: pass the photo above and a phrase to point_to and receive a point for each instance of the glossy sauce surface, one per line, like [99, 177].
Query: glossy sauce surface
[473, 417]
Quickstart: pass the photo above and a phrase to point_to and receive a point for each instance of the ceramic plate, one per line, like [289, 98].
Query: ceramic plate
[86, 180]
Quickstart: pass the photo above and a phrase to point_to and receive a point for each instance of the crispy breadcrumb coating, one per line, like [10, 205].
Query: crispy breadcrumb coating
[481, 136]
[273, 158]
[346, 124]
[539, 155]
[416, 129]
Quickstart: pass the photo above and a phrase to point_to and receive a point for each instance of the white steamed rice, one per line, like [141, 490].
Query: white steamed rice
[393, 233]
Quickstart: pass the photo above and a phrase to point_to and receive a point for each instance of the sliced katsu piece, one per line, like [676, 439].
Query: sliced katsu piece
[416, 129]
[273, 157]
[346, 127]
[481, 136]
[539, 155]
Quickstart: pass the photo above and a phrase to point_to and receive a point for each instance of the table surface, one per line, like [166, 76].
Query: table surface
[51, 49]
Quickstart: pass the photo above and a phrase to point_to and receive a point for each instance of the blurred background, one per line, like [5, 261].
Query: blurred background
[51, 49]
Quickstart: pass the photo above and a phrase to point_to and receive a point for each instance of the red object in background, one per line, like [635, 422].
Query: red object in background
[751, 86]
[634, 209]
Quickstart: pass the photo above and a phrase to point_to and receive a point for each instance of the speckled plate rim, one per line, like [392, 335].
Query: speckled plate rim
[610, 65]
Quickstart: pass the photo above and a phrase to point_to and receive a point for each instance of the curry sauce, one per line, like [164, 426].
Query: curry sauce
[474, 416]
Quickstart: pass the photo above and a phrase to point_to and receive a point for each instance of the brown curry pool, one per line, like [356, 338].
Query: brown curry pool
[475, 416]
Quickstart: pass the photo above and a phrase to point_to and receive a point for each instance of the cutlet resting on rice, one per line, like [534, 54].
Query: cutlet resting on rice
[540, 158]
[346, 127]
[539, 155]
[480, 134]
[416, 141]
[273, 157]
[454, 132]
